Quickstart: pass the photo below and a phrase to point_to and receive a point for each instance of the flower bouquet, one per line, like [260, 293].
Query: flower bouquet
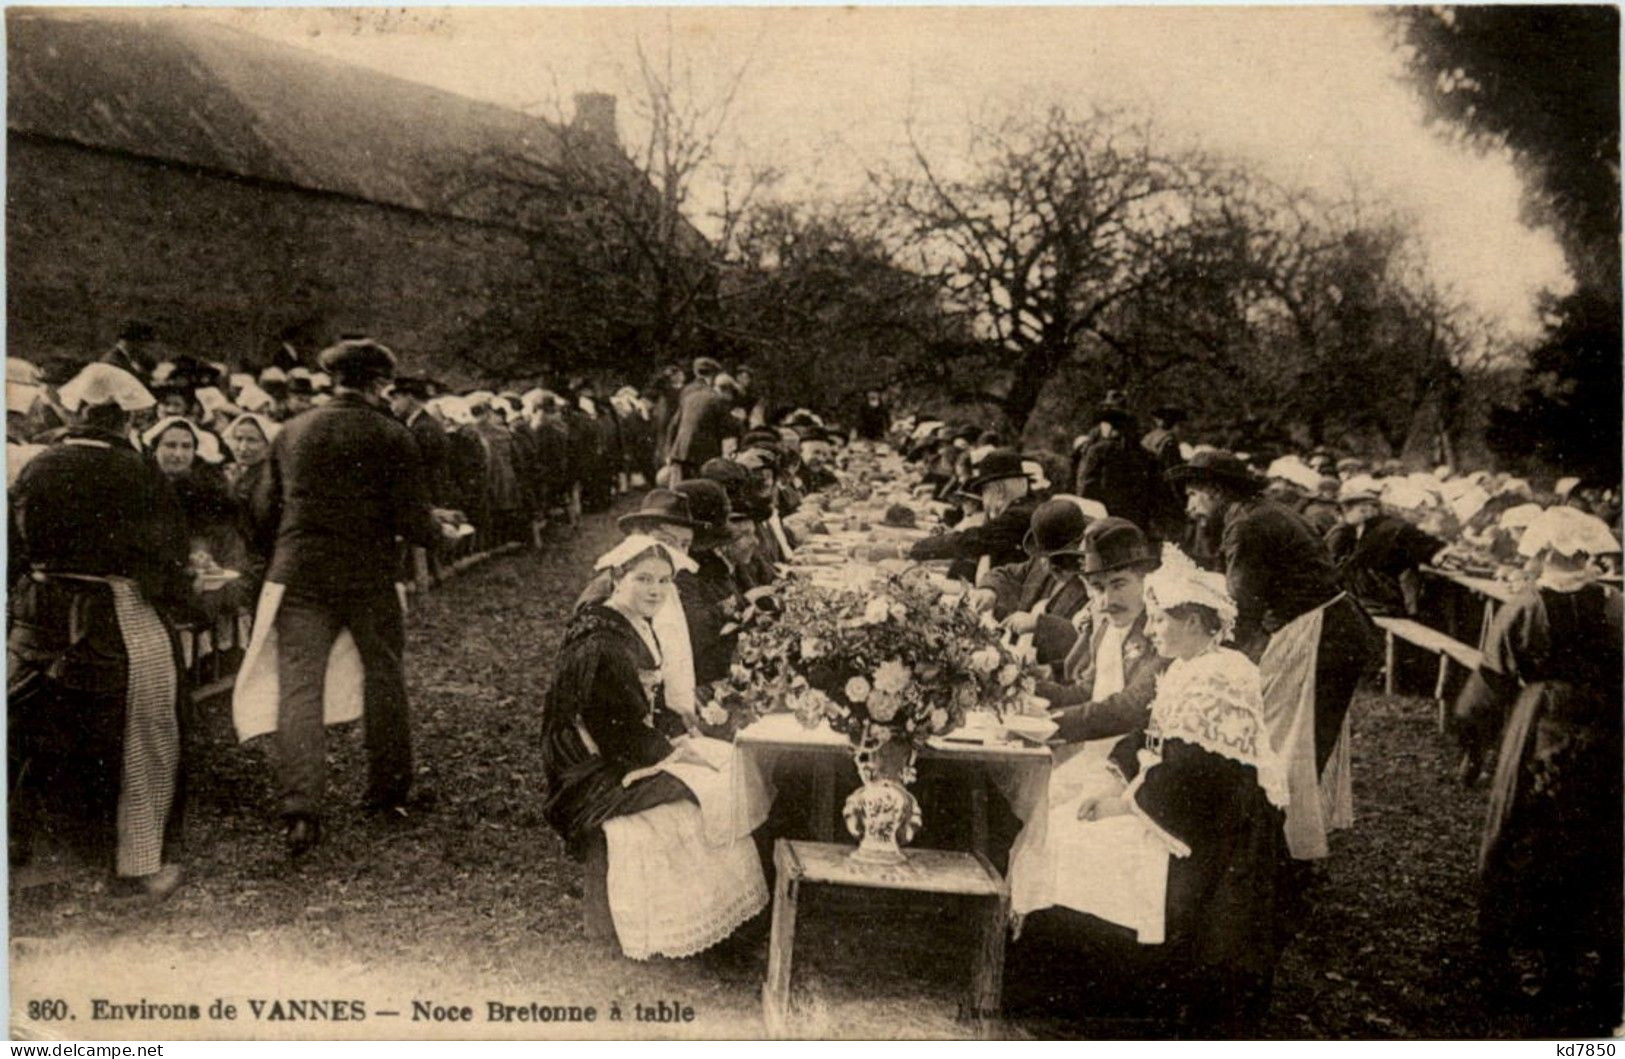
[888, 666]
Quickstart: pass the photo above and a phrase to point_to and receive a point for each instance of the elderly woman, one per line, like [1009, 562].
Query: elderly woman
[1180, 839]
[674, 883]
[1548, 692]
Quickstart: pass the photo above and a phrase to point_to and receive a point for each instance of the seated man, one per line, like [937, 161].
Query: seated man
[1377, 553]
[1002, 484]
[1110, 676]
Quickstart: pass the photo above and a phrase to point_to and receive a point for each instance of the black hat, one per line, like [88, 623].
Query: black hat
[968, 432]
[996, 465]
[358, 360]
[1115, 414]
[734, 479]
[1216, 468]
[709, 504]
[1057, 527]
[136, 331]
[659, 505]
[414, 386]
[1113, 544]
[762, 438]
[1170, 414]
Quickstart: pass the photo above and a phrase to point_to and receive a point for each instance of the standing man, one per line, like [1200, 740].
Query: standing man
[1311, 639]
[703, 420]
[1117, 471]
[406, 399]
[134, 351]
[344, 485]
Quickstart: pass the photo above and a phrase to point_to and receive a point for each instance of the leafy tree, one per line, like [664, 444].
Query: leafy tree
[1543, 81]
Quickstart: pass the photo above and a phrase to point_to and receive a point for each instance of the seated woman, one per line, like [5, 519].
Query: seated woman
[190, 458]
[1180, 838]
[676, 881]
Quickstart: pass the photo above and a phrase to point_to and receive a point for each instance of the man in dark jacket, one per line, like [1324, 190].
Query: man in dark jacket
[406, 399]
[1119, 472]
[1311, 639]
[1377, 553]
[1007, 498]
[344, 485]
[703, 420]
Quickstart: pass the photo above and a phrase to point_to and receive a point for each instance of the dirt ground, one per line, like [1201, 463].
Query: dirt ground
[476, 902]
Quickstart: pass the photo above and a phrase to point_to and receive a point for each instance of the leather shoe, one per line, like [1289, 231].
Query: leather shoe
[302, 834]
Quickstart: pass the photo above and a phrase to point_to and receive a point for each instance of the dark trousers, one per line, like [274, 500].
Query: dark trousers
[1349, 643]
[306, 627]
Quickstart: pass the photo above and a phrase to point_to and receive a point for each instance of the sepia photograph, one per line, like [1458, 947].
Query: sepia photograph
[814, 523]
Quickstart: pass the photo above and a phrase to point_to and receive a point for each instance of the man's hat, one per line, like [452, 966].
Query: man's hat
[708, 502]
[137, 331]
[1358, 489]
[1170, 414]
[659, 505]
[734, 479]
[1114, 544]
[414, 386]
[706, 366]
[995, 466]
[1216, 467]
[1115, 414]
[358, 360]
[1057, 528]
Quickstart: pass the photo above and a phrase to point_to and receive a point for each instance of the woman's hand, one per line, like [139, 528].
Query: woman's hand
[1100, 806]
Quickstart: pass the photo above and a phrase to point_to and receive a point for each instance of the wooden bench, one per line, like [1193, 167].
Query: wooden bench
[926, 871]
[1428, 639]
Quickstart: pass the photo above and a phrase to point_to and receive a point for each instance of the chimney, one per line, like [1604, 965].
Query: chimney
[595, 115]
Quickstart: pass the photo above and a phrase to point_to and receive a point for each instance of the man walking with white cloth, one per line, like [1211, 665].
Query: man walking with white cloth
[344, 485]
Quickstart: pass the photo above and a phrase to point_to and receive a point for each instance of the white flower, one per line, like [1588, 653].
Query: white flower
[713, 714]
[882, 706]
[1009, 673]
[812, 647]
[857, 689]
[985, 660]
[876, 611]
[892, 676]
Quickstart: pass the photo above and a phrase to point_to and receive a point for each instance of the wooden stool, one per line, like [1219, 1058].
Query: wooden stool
[926, 871]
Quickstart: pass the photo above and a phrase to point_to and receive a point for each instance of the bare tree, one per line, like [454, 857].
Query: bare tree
[1057, 221]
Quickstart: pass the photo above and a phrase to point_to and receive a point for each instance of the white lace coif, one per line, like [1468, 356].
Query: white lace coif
[637, 544]
[1179, 580]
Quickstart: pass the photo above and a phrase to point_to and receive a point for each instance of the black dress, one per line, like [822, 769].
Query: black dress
[598, 696]
[1550, 861]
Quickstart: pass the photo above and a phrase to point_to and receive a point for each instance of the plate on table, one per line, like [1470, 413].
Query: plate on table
[1032, 729]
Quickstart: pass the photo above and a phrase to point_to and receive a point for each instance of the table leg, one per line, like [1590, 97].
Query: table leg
[1388, 657]
[823, 800]
[978, 815]
[987, 985]
[781, 945]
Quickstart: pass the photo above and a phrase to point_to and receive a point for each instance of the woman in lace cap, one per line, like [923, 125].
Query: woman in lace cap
[1183, 843]
[624, 797]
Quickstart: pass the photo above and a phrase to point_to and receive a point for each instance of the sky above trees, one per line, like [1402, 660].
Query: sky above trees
[1313, 97]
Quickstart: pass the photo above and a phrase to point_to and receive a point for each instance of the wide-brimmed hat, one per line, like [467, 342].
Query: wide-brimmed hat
[734, 479]
[708, 503]
[1359, 489]
[1115, 544]
[996, 465]
[1057, 529]
[1216, 467]
[659, 505]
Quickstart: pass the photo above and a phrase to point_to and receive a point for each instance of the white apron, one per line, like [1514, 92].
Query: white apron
[256, 697]
[1318, 804]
